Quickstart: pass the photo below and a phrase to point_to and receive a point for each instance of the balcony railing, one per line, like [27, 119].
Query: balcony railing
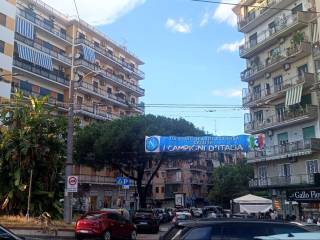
[276, 61]
[280, 30]
[266, 9]
[109, 76]
[302, 147]
[273, 91]
[34, 44]
[173, 181]
[105, 53]
[97, 179]
[39, 21]
[40, 71]
[94, 112]
[198, 167]
[100, 92]
[282, 181]
[51, 100]
[282, 119]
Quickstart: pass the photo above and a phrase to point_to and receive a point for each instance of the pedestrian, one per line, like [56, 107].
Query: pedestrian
[309, 220]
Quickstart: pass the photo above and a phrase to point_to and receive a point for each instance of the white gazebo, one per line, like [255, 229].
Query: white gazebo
[253, 204]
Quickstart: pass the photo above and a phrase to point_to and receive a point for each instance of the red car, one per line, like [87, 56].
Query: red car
[105, 225]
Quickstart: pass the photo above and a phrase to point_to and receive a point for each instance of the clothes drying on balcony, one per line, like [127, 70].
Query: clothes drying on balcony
[293, 95]
[35, 57]
[89, 54]
[24, 28]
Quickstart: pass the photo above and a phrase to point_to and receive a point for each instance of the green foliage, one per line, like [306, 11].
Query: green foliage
[230, 181]
[31, 138]
[297, 38]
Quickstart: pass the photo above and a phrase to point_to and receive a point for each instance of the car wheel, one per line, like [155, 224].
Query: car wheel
[107, 235]
[133, 235]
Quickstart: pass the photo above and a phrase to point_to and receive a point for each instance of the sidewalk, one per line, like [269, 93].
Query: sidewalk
[37, 233]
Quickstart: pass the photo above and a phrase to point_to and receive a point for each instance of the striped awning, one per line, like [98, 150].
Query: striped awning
[24, 28]
[293, 95]
[35, 57]
[89, 54]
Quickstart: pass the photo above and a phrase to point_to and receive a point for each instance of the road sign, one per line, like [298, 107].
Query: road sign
[122, 181]
[72, 184]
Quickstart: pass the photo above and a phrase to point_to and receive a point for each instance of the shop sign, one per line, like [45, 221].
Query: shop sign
[304, 195]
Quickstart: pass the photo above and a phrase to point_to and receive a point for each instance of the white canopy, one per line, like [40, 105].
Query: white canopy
[253, 204]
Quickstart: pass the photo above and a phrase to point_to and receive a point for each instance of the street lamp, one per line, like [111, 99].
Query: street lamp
[70, 130]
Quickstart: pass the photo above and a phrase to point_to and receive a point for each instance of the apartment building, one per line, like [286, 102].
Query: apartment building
[7, 24]
[192, 177]
[45, 53]
[282, 99]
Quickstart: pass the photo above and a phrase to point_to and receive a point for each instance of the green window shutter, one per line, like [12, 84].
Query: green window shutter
[309, 132]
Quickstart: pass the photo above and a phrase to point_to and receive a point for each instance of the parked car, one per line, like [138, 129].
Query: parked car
[181, 217]
[224, 229]
[106, 225]
[146, 220]
[292, 236]
[197, 212]
[213, 209]
[7, 234]
[164, 216]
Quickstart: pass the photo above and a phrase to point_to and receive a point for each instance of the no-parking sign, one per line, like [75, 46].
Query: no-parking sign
[72, 185]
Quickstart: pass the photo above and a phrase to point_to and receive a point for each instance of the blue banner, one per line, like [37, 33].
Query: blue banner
[243, 143]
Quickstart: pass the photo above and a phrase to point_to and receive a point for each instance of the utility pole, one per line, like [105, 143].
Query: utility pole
[67, 214]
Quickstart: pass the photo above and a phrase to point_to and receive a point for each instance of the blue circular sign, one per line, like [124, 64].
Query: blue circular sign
[152, 143]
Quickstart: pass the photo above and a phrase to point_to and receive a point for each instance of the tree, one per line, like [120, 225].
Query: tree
[31, 138]
[120, 143]
[230, 181]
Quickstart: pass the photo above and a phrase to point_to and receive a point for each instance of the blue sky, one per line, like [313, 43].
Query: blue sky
[183, 63]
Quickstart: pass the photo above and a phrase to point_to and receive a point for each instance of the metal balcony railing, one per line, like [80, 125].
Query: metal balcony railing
[307, 146]
[249, 97]
[279, 29]
[39, 21]
[34, 44]
[94, 112]
[110, 56]
[316, 50]
[96, 179]
[276, 61]
[40, 71]
[282, 181]
[109, 76]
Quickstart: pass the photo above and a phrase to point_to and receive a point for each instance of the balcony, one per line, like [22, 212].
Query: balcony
[99, 92]
[115, 60]
[287, 118]
[303, 180]
[103, 73]
[101, 180]
[38, 21]
[198, 168]
[272, 63]
[275, 91]
[32, 43]
[94, 112]
[259, 15]
[271, 36]
[40, 72]
[289, 150]
[173, 181]
[51, 100]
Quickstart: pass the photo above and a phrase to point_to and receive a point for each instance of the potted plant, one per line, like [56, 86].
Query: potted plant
[297, 38]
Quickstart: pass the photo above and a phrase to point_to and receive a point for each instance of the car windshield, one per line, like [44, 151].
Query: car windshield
[92, 216]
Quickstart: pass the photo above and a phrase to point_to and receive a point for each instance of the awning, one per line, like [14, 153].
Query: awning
[89, 54]
[35, 57]
[293, 95]
[24, 28]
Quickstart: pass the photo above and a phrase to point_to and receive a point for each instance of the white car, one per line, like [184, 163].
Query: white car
[181, 216]
[197, 212]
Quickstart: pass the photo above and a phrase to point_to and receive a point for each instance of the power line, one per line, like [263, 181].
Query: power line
[251, 5]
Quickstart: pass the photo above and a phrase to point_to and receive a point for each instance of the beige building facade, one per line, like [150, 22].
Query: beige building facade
[283, 102]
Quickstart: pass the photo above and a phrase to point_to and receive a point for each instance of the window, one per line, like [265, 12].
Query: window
[298, 8]
[2, 45]
[285, 170]
[60, 97]
[81, 35]
[262, 172]
[306, 100]
[30, 15]
[312, 166]
[63, 32]
[109, 90]
[44, 92]
[79, 100]
[157, 189]
[48, 24]
[272, 27]
[302, 70]
[95, 86]
[110, 52]
[308, 132]
[178, 176]
[278, 83]
[3, 19]
[133, 101]
[283, 138]
[162, 189]
[253, 40]
[257, 92]
[199, 233]
[280, 109]
[258, 116]
[47, 45]
[24, 85]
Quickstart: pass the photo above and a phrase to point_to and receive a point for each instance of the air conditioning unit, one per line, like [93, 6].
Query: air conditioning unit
[52, 18]
[77, 55]
[251, 82]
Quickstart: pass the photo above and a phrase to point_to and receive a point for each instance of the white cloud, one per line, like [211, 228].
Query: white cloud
[229, 93]
[96, 12]
[231, 47]
[178, 25]
[205, 19]
[224, 13]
